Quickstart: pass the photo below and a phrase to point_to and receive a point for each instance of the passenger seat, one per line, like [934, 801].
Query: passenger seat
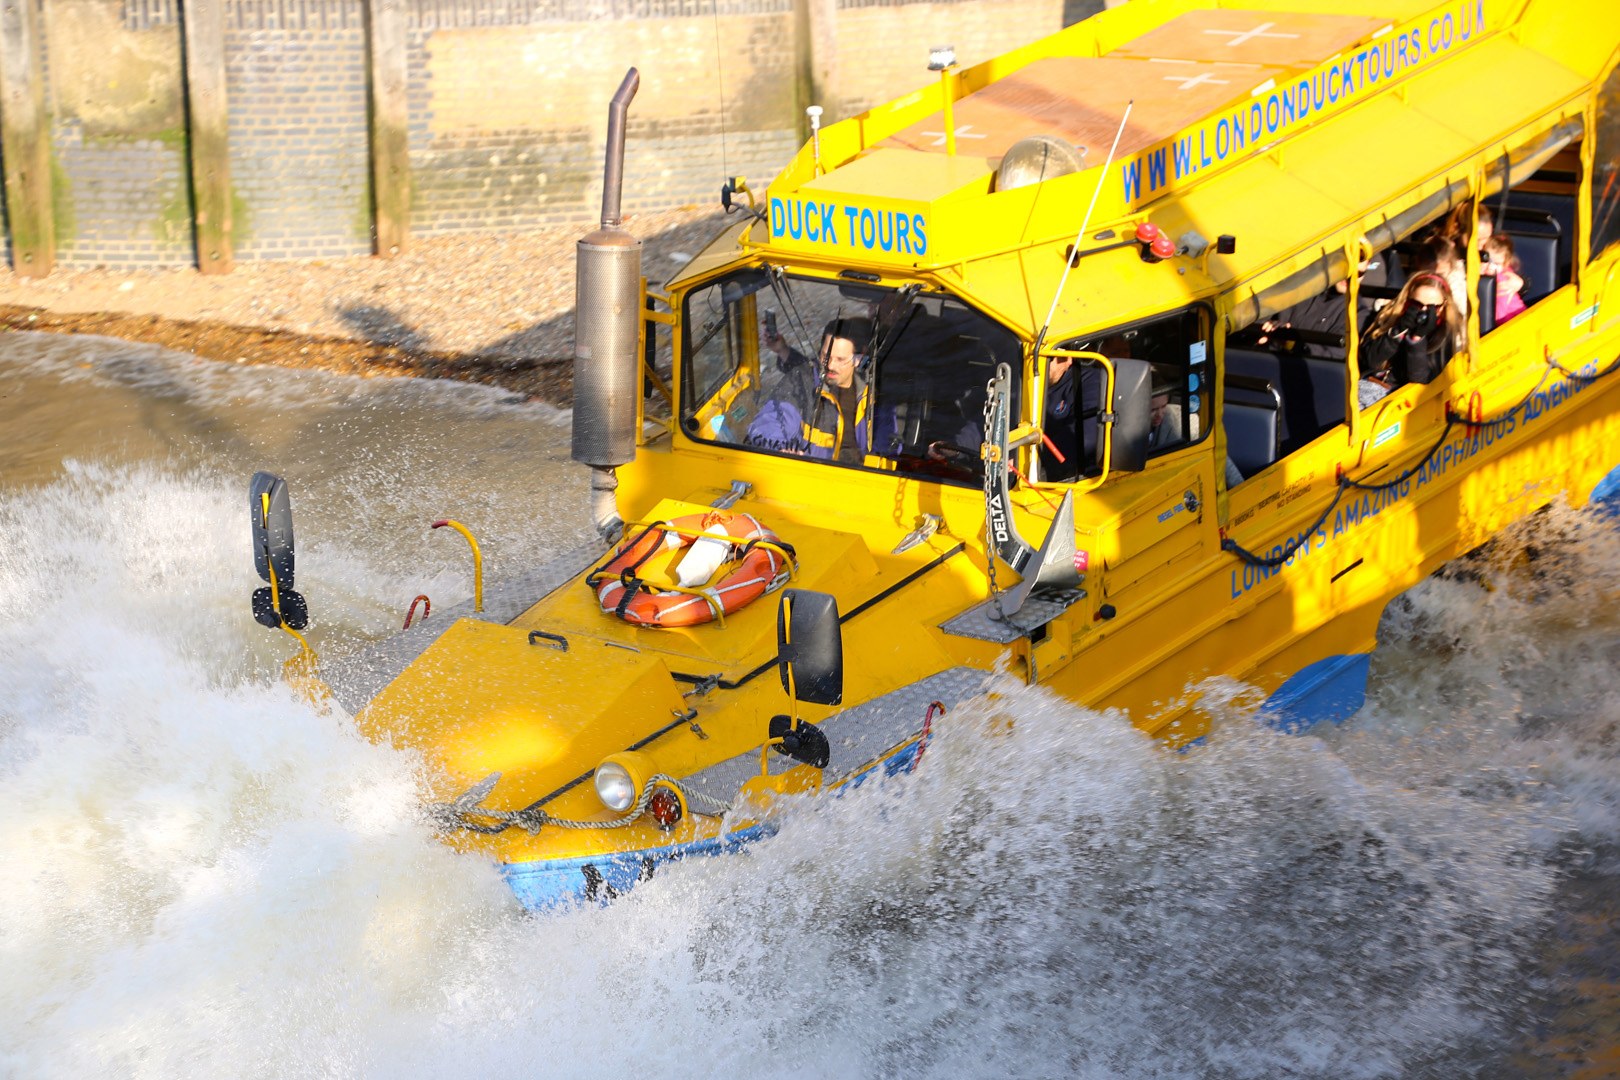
[1252, 413]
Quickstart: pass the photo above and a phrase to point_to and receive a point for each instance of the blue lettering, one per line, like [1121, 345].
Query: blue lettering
[902, 229]
[1447, 27]
[885, 237]
[812, 218]
[1203, 154]
[868, 229]
[776, 217]
[1333, 84]
[851, 212]
[828, 219]
[1223, 137]
[1273, 112]
[795, 218]
[1184, 162]
[1131, 173]
[1156, 169]
[1347, 79]
[1257, 121]
[919, 239]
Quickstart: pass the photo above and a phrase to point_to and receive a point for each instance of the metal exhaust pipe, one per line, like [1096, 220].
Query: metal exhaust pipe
[613, 173]
[608, 305]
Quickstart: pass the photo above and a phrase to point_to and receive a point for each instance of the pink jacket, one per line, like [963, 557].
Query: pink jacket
[1508, 306]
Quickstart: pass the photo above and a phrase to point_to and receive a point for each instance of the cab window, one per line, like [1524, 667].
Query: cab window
[1177, 348]
[848, 373]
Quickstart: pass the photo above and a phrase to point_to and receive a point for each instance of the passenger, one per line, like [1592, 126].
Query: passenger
[1442, 255]
[1061, 449]
[1411, 339]
[819, 409]
[1326, 312]
[1456, 226]
[1165, 418]
[1500, 262]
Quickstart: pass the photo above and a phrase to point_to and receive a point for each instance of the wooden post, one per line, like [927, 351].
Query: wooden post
[25, 142]
[815, 43]
[203, 23]
[390, 143]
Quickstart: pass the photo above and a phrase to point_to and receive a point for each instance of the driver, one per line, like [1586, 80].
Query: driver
[820, 409]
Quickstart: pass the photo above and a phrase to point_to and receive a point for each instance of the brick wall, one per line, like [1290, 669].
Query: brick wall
[295, 74]
[507, 109]
[883, 45]
[508, 121]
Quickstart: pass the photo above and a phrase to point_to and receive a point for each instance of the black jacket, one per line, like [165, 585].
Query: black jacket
[1405, 360]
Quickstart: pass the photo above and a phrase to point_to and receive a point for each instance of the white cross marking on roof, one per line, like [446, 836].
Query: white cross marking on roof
[1240, 37]
[961, 133]
[1201, 79]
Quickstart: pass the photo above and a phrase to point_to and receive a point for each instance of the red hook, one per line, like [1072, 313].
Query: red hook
[935, 709]
[427, 609]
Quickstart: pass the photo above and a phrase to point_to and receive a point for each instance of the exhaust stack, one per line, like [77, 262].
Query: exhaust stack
[607, 325]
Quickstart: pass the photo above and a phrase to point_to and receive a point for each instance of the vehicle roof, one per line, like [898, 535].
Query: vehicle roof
[1191, 73]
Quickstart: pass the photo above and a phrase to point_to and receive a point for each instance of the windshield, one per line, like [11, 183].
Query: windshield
[855, 374]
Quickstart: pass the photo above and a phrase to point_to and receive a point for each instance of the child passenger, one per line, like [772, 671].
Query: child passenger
[1499, 260]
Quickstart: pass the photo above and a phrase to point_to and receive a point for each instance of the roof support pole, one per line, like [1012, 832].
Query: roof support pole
[815, 43]
[25, 142]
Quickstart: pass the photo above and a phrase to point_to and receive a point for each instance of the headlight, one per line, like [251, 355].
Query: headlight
[615, 786]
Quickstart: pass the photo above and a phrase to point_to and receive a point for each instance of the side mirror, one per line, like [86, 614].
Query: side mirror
[1133, 415]
[270, 509]
[810, 647]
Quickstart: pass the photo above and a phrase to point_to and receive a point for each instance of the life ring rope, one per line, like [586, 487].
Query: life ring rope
[760, 562]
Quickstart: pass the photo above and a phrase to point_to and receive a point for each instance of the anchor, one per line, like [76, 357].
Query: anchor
[1052, 566]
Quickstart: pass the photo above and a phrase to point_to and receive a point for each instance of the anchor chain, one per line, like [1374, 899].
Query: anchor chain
[990, 451]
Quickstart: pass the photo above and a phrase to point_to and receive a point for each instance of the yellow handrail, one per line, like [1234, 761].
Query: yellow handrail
[478, 560]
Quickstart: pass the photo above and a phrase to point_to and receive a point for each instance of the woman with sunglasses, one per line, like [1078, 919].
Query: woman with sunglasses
[1411, 339]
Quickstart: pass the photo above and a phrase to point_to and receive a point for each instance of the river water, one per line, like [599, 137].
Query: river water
[205, 877]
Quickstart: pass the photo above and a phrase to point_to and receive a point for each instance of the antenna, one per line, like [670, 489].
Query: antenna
[1069, 264]
[720, 81]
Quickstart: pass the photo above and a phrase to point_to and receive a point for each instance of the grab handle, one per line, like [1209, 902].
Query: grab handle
[557, 641]
[478, 559]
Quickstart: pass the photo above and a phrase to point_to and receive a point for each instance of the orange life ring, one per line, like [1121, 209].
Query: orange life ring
[758, 570]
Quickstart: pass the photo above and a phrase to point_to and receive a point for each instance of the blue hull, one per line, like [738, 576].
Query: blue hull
[550, 884]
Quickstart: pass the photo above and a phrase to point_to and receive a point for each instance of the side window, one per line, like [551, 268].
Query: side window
[721, 370]
[1526, 240]
[1606, 166]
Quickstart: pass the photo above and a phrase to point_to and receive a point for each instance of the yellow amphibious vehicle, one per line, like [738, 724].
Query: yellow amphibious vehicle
[1028, 370]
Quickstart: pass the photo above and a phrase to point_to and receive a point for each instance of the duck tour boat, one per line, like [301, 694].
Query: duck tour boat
[1046, 369]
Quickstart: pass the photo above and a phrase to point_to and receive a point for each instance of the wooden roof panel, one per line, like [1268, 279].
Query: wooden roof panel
[1082, 99]
[1285, 39]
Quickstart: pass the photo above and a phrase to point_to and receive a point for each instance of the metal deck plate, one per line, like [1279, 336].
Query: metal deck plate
[984, 624]
[857, 735]
[356, 678]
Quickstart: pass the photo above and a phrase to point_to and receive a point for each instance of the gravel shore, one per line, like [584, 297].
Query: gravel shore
[495, 309]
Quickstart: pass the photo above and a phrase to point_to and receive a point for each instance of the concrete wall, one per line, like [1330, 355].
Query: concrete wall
[507, 109]
[113, 90]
